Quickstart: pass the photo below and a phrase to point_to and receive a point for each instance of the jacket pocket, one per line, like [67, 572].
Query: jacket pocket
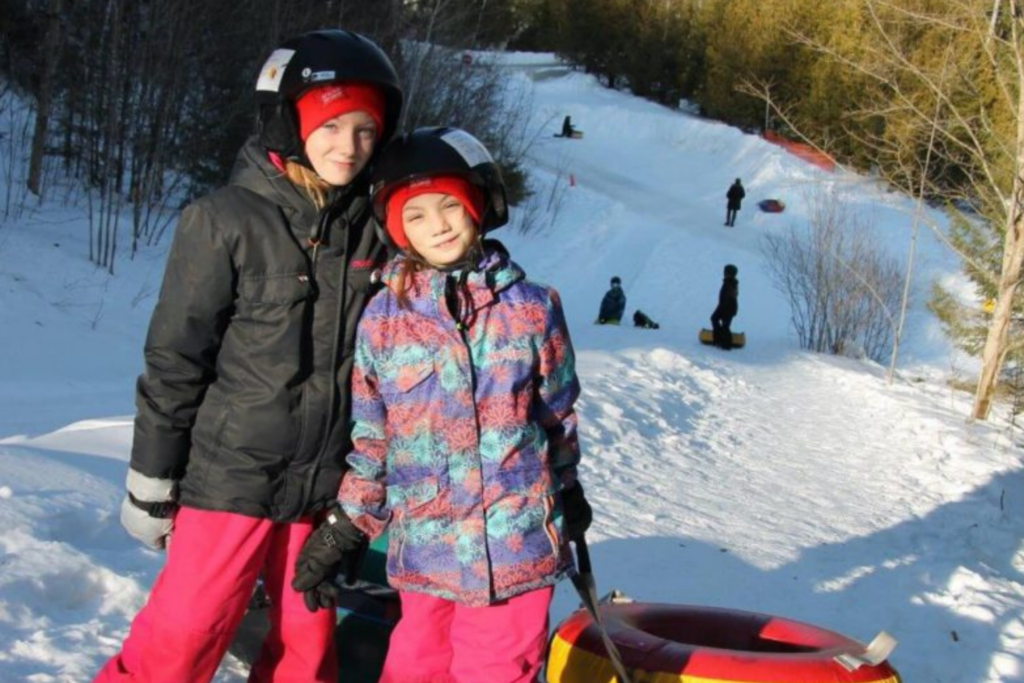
[402, 383]
[275, 289]
[409, 377]
[531, 482]
[527, 501]
[404, 502]
[273, 315]
[362, 281]
[409, 497]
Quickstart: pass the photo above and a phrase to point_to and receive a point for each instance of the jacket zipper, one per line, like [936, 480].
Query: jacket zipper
[472, 369]
[338, 334]
[313, 241]
[315, 238]
[463, 331]
[454, 307]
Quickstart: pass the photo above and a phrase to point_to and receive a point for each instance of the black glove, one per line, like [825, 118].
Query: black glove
[323, 555]
[576, 511]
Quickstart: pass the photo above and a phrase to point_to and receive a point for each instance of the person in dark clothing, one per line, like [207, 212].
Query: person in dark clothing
[243, 409]
[641, 319]
[735, 197]
[613, 305]
[567, 129]
[728, 306]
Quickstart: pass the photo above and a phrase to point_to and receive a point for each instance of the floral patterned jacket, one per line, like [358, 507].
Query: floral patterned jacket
[464, 431]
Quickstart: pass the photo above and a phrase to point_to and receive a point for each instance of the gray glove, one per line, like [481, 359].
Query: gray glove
[147, 512]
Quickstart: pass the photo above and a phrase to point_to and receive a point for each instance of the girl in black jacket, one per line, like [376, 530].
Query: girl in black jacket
[243, 408]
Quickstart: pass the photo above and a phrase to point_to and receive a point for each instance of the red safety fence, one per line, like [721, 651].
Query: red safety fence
[805, 152]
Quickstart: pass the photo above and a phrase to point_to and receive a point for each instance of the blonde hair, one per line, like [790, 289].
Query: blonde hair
[315, 186]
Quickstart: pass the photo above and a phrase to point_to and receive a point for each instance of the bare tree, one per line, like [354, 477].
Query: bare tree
[51, 57]
[841, 287]
[146, 103]
[447, 86]
[543, 207]
[16, 125]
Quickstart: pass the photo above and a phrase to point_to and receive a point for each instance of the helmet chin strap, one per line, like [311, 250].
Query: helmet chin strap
[471, 259]
[462, 307]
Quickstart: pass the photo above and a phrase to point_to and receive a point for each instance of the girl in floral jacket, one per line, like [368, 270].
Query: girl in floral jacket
[465, 443]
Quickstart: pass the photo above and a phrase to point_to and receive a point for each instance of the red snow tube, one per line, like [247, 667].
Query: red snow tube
[772, 205]
[686, 644]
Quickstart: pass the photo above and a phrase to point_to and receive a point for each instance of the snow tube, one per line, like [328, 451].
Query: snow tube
[662, 643]
[707, 337]
[772, 205]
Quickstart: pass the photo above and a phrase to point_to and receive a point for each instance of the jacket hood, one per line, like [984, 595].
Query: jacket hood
[254, 171]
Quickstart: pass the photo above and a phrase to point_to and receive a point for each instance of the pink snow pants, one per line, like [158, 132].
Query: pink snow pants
[439, 641]
[202, 593]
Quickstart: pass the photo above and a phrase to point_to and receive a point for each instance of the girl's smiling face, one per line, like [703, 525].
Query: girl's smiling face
[438, 228]
[340, 148]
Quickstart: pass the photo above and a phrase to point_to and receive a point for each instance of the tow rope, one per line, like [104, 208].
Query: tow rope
[586, 586]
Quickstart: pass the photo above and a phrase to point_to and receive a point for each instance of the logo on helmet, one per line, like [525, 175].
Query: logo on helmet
[273, 70]
[329, 93]
[468, 147]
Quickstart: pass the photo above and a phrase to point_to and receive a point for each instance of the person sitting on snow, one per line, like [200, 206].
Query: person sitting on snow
[567, 129]
[613, 305]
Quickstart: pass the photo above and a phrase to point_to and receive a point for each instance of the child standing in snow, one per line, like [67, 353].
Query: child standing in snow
[465, 443]
[728, 307]
[243, 408]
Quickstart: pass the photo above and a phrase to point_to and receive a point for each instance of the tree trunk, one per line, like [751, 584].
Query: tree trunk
[52, 52]
[998, 339]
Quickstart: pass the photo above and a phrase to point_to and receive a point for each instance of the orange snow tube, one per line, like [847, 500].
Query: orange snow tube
[687, 644]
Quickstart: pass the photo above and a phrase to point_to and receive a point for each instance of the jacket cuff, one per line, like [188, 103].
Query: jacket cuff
[149, 489]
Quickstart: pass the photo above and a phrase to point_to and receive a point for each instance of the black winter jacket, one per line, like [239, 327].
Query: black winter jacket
[613, 304]
[245, 395]
[735, 195]
[728, 298]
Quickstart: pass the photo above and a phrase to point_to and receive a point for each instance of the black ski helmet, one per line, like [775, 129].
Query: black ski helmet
[313, 59]
[616, 280]
[731, 270]
[434, 151]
